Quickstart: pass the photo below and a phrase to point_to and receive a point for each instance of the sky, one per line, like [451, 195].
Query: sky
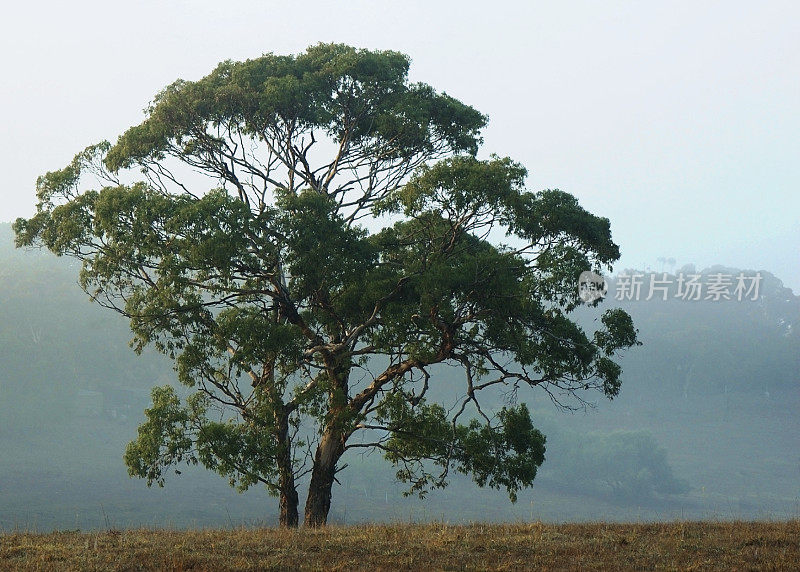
[679, 121]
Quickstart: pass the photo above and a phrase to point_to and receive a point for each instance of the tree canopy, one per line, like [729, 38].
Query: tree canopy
[306, 236]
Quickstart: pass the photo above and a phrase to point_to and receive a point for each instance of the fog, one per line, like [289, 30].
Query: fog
[705, 426]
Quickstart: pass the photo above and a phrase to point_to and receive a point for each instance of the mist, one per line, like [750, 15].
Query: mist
[705, 426]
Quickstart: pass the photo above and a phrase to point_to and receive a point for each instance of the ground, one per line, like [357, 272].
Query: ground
[435, 546]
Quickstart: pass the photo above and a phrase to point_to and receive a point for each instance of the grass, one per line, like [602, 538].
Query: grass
[437, 546]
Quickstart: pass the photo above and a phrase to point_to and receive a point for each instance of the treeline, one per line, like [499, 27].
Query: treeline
[708, 341]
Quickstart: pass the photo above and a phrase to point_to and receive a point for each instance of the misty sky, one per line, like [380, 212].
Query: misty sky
[680, 121]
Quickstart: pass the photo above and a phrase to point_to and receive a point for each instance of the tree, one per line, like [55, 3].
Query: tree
[341, 245]
[627, 465]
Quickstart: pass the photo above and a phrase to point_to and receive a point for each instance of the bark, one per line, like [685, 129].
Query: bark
[289, 516]
[331, 445]
[328, 453]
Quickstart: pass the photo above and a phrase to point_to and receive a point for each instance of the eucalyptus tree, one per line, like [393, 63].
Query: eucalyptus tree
[306, 236]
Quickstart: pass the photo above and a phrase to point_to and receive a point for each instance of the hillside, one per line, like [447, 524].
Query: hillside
[706, 424]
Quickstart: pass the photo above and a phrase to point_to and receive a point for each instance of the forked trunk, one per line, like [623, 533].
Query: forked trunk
[318, 504]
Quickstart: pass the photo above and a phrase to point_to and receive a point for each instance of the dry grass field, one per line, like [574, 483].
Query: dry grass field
[599, 546]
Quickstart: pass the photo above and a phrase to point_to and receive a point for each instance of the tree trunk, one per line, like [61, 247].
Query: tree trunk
[331, 445]
[289, 516]
[318, 504]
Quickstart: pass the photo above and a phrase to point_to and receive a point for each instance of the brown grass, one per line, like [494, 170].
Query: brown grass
[601, 546]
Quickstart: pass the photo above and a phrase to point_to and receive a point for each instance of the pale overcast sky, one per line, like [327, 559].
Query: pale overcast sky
[680, 121]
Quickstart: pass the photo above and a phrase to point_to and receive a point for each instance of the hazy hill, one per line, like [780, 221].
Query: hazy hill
[706, 424]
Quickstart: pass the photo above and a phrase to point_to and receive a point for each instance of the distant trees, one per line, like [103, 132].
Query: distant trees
[669, 261]
[701, 347]
[625, 465]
